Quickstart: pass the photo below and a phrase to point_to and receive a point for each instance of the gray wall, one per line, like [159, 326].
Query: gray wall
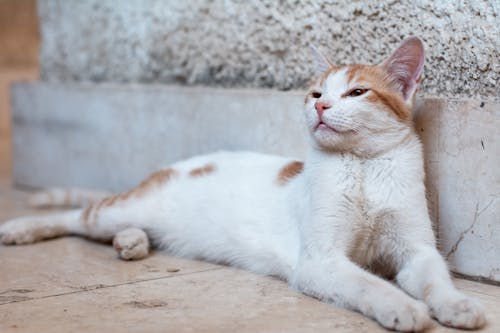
[265, 43]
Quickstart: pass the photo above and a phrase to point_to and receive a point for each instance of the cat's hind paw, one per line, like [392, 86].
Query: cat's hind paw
[131, 244]
[461, 312]
[18, 231]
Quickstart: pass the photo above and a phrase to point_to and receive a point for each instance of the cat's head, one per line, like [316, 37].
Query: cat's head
[364, 108]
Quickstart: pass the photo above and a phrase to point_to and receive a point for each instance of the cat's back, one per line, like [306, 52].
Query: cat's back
[223, 183]
[233, 168]
[230, 163]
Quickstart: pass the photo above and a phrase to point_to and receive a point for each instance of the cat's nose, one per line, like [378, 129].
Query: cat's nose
[321, 107]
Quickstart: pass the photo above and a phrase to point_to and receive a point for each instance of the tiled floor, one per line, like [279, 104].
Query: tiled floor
[75, 285]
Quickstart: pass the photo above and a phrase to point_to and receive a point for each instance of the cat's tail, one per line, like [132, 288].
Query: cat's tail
[66, 197]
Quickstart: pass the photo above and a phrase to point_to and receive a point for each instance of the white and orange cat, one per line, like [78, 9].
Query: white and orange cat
[355, 208]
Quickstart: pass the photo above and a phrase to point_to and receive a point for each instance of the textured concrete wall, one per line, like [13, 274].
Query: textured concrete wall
[265, 43]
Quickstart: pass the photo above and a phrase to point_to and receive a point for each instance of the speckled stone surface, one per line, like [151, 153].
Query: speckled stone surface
[266, 43]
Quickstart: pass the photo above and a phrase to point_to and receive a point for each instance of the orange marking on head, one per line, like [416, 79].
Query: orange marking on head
[308, 97]
[353, 71]
[393, 102]
[319, 81]
[205, 170]
[382, 90]
[289, 171]
[325, 75]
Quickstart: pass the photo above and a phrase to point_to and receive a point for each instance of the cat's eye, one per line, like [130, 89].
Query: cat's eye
[316, 94]
[357, 92]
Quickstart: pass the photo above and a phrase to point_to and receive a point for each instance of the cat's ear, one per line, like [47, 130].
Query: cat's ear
[322, 64]
[405, 66]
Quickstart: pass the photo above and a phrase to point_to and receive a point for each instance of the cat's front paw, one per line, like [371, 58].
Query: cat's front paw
[405, 317]
[460, 312]
[17, 231]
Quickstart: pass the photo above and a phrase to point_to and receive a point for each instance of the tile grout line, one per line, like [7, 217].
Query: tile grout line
[112, 285]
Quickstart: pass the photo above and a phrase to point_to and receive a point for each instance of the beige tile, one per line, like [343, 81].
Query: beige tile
[224, 300]
[73, 264]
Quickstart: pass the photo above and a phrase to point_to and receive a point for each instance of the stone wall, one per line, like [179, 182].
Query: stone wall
[265, 43]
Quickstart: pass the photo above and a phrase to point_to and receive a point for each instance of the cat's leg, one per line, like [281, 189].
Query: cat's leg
[101, 221]
[131, 244]
[424, 275]
[30, 229]
[336, 279]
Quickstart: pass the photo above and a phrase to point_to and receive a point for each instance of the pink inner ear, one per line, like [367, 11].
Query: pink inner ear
[405, 66]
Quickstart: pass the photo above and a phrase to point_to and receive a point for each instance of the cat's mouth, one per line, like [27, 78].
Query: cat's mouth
[321, 126]
[325, 127]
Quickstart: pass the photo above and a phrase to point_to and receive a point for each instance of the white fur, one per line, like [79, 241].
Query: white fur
[359, 204]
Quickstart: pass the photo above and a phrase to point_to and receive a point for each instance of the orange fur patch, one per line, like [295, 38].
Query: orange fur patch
[381, 89]
[205, 170]
[156, 179]
[331, 71]
[352, 71]
[393, 102]
[289, 171]
[86, 214]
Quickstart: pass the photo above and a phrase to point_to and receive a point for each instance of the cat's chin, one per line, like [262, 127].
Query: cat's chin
[325, 129]
[332, 139]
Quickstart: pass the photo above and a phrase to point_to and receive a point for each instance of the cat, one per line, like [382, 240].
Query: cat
[332, 227]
